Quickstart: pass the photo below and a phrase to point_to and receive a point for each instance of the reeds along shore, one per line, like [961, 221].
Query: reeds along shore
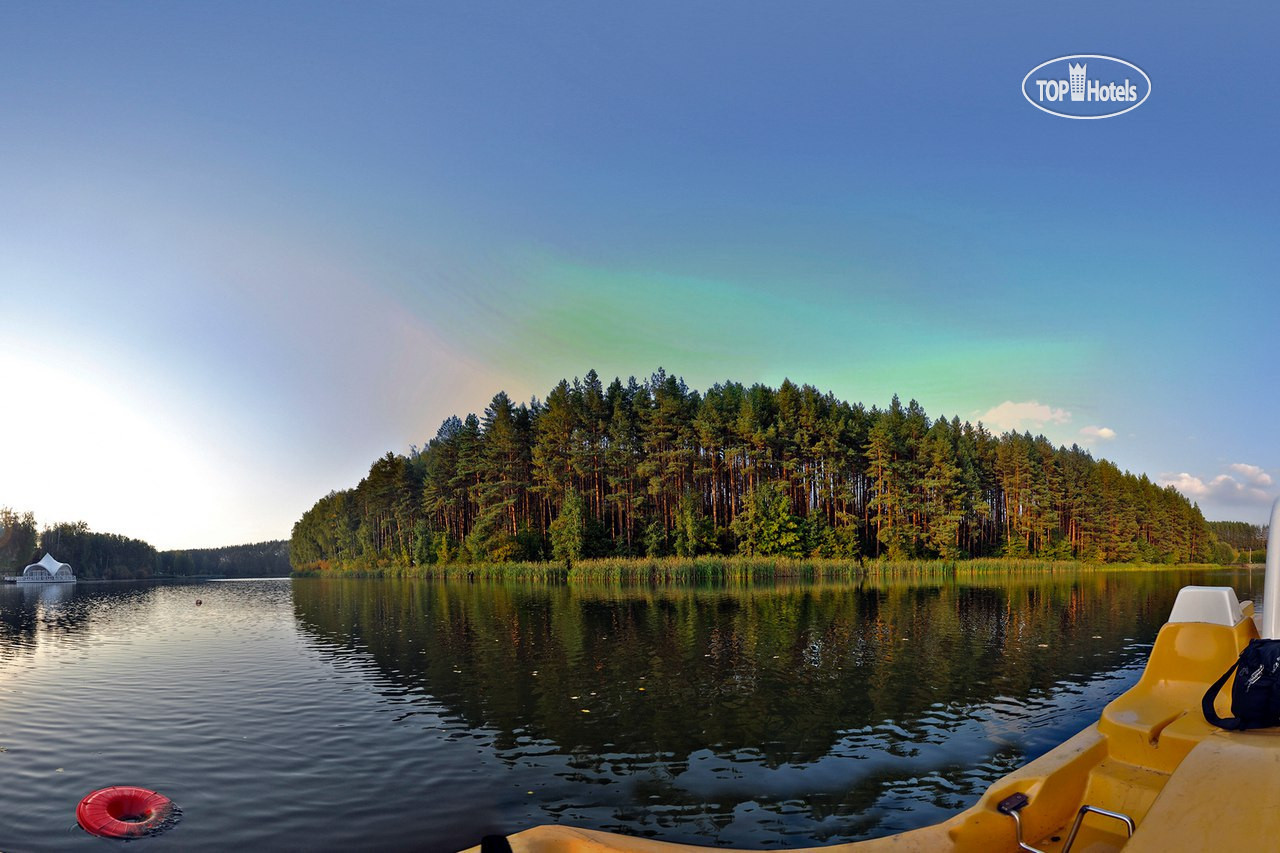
[721, 569]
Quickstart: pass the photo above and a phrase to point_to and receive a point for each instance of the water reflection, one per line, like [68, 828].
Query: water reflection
[750, 715]
[46, 593]
[29, 611]
[383, 715]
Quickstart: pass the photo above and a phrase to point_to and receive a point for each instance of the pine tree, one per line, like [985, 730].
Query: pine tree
[569, 529]
[657, 467]
[766, 527]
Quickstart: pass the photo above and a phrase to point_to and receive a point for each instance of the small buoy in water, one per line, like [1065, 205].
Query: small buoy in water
[123, 811]
[198, 602]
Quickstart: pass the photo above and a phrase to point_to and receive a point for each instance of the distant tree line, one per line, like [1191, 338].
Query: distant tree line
[109, 556]
[1239, 541]
[92, 555]
[653, 469]
[259, 560]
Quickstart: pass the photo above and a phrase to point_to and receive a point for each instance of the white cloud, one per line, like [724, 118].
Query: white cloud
[1192, 487]
[1010, 415]
[1104, 433]
[1246, 489]
[1251, 474]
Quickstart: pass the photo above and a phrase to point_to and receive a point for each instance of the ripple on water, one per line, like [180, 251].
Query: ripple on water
[377, 715]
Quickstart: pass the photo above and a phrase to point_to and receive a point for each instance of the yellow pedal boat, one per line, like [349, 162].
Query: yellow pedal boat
[1151, 776]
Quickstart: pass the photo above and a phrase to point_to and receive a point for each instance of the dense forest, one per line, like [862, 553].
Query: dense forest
[109, 556]
[1239, 541]
[259, 560]
[653, 469]
[92, 555]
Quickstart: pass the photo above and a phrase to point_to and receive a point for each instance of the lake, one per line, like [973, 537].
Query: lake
[347, 715]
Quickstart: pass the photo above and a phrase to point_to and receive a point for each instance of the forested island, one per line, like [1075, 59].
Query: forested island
[110, 556]
[654, 469]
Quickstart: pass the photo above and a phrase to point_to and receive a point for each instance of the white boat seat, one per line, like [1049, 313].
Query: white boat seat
[1216, 605]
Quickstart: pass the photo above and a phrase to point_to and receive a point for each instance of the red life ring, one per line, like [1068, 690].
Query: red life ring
[122, 811]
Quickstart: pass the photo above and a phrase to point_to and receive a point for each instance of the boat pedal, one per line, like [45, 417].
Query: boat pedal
[1010, 805]
[1087, 809]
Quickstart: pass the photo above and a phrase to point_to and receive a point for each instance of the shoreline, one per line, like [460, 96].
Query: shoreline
[696, 569]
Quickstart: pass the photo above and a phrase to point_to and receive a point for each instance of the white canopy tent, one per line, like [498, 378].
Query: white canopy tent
[48, 569]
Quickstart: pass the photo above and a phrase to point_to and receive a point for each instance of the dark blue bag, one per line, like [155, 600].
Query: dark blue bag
[1255, 695]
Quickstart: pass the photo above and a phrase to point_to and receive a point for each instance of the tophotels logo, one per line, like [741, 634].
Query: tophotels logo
[1086, 85]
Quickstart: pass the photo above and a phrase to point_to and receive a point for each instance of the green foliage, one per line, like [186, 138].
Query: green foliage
[529, 545]
[424, 544]
[17, 540]
[489, 541]
[92, 555]
[656, 540]
[1224, 554]
[652, 467]
[694, 535]
[256, 560]
[109, 556]
[766, 526]
[569, 530]
[824, 541]
[446, 548]
[1238, 542]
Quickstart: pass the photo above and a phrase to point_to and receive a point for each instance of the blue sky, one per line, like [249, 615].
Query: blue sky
[246, 248]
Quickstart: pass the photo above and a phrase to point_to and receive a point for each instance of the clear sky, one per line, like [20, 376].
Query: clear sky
[248, 247]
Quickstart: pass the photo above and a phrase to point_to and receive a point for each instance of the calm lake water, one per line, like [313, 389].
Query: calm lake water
[400, 715]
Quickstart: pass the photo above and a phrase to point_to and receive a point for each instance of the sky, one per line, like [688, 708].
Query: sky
[246, 248]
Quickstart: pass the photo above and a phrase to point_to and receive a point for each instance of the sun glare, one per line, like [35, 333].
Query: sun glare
[79, 444]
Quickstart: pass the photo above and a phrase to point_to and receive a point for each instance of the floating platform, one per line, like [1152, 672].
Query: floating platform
[47, 570]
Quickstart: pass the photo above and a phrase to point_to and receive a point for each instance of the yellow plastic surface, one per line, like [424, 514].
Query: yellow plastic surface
[1222, 797]
[1151, 756]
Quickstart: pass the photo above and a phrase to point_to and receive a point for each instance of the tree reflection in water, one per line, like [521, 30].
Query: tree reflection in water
[749, 714]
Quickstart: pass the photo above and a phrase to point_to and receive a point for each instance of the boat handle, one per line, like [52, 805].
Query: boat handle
[1010, 806]
[1084, 810]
